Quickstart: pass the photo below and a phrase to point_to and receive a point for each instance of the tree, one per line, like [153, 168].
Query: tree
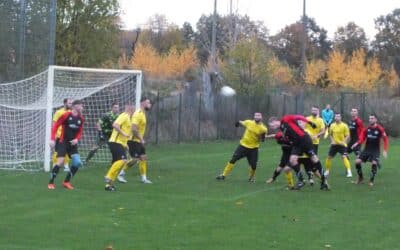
[230, 29]
[336, 68]
[350, 38]
[316, 72]
[247, 68]
[387, 41]
[288, 42]
[87, 32]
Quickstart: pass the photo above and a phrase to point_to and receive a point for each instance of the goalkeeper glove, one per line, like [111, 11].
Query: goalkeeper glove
[313, 125]
[237, 124]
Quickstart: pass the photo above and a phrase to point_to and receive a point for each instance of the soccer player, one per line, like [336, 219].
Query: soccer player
[67, 107]
[254, 133]
[356, 128]
[286, 147]
[71, 124]
[122, 131]
[339, 134]
[302, 143]
[372, 137]
[315, 133]
[327, 116]
[136, 144]
[104, 129]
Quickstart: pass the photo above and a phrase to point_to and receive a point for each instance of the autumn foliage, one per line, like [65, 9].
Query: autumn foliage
[171, 65]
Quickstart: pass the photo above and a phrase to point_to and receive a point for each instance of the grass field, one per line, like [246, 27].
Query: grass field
[186, 208]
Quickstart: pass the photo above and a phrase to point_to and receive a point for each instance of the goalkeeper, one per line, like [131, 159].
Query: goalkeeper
[104, 129]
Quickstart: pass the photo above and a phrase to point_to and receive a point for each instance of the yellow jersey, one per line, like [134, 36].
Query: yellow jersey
[57, 116]
[320, 125]
[139, 119]
[252, 134]
[339, 132]
[124, 121]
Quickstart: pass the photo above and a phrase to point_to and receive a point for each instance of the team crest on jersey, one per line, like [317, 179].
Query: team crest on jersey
[70, 118]
[79, 122]
[376, 132]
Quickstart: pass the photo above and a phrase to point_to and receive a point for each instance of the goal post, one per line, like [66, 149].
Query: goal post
[27, 106]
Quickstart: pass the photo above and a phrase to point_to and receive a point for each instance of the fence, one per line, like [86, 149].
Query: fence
[185, 117]
[27, 29]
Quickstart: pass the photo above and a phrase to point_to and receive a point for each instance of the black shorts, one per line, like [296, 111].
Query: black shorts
[304, 146]
[250, 153]
[285, 157]
[334, 149]
[307, 163]
[136, 149]
[369, 155]
[65, 148]
[356, 150]
[118, 151]
[315, 147]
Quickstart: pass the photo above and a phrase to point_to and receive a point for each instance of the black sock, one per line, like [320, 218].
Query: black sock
[359, 170]
[298, 172]
[54, 173]
[374, 170]
[71, 174]
[276, 174]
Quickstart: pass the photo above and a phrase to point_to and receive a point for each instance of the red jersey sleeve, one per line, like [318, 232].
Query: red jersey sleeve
[360, 127]
[57, 124]
[363, 136]
[384, 138]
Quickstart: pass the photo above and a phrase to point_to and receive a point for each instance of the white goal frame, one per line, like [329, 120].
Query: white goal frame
[50, 94]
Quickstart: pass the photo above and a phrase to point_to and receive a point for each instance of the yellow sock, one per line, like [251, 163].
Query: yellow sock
[129, 164]
[228, 168]
[114, 170]
[54, 158]
[252, 173]
[143, 168]
[289, 179]
[346, 163]
[328, 164]
[67, 160]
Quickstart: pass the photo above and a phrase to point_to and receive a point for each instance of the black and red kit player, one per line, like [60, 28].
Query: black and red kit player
[71, 124]
[356, 128]
[372, 137]
[302, 142]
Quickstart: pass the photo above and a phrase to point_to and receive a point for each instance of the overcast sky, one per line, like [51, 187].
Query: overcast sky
[275, 14]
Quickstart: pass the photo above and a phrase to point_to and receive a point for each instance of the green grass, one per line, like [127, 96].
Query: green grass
[186, 208]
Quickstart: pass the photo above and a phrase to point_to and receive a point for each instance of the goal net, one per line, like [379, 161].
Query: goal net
[27, 106]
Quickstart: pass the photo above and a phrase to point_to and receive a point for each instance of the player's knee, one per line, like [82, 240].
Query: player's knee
[287, 169]
[358, 161]
[76, 161]
[314, 159]
[143, 157]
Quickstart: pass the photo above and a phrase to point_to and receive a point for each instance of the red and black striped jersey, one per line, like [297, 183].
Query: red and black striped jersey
[290, 127]
[356, 128]
[71, 127]
[372, 136]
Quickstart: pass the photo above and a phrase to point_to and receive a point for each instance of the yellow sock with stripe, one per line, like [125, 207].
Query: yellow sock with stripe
[228, 168]
[289, 179]
[328, 164]
[143, 168]
[114, 170]
[252, 173]
[346, 163]
[129, 164]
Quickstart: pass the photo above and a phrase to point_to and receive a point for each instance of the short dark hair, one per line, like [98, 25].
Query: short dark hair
[65, 100]
[114, 103]
[272, 119]
[77, 102]
[374, 115]
[144, 98]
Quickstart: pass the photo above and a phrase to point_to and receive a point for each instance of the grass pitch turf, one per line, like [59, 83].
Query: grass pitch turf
[186, 208]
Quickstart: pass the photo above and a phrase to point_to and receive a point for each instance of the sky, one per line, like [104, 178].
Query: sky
[276, 14]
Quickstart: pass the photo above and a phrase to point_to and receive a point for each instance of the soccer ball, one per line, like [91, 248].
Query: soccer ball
[227, 91]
